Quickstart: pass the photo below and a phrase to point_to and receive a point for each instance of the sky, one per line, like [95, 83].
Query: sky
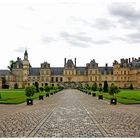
[51, 30]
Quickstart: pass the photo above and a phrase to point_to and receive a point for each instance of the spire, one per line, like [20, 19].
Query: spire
[26, 54]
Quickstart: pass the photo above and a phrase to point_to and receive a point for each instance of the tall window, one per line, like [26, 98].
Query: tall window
[61, 79]
[56, 79]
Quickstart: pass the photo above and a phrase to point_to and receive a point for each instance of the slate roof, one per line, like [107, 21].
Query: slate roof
[81, 69]
[57, 70]
[34, 71]
[4, 72]
[60, 70]
[108, 70]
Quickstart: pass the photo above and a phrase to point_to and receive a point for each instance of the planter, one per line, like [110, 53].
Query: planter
[89, 93]
[29, 101]
[94, 94]
[100, 97]
[51, 93]
[113, 101]
[40, 97]
[47, 94]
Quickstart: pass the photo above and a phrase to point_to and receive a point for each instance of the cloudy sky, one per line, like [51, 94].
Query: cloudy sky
[54, 29]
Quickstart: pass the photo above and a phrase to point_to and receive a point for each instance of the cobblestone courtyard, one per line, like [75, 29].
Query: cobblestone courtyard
[70, 113]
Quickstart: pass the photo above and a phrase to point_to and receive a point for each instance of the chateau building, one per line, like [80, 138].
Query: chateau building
[71, 76]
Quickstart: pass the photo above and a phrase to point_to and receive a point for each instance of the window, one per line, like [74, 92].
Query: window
[46, 84]
[52, 79]
[61, 79]
[124, 72]
[95, 71]
[42, 84]
[90, 71]
[95, 78]
[56, 79]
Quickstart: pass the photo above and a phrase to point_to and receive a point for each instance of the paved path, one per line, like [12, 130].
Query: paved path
[70, 113]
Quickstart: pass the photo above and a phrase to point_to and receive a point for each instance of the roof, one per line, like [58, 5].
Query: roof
[108, 70]
[4, 72]
[81, 69]
[57, 70]
[34, 71]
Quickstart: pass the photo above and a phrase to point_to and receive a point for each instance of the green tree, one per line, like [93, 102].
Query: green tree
[105, 88]
[47, 88]
[100, 88]
[41, 89]
[94, 86]
[113, 89]
[0, 96]
[10, 67]
[15, 86]
[36, 85]
[131, 86]
[30, 91]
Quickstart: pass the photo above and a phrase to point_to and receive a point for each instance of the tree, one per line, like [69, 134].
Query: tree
[10, 67]
[105, 88]
[100, 88]
[15, 86]
[30, 91]
[47, 88]
[94, 86]
[113, 89]
[131, 86]
[36, 85]
[41, 89]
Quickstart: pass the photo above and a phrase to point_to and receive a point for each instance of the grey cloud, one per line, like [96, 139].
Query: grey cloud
[103, 24]
[20, 49]
[76, 40]
[81, 40]
[100, 42]
[48, 39]
[100, 23]
[127, 14]
[126, 11]
[129, 38]
[134, 37]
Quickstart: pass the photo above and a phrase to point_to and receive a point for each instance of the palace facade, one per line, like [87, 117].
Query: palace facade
[71, 76]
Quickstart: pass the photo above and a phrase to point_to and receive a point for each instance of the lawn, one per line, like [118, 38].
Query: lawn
[16, 96]
[125, 96]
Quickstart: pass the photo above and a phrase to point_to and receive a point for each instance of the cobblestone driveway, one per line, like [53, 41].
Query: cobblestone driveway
[70, 113]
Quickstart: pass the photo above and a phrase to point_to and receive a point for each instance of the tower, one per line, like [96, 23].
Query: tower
[26, 66]
[25, 54]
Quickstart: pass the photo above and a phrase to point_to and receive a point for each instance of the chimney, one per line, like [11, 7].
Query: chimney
[75, 62]
[132, 58]
[64, 61]
[106, 65]
[129, 60]
[139, 58]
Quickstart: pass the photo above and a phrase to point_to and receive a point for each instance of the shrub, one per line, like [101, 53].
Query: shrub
[100, 88]
[36, 85]
[30, 91]
[94, 86]
[47, 88]
[41, 89]
[0, 96]
[105, 88]
[113, 90]
[15, 86]
[5, 86]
